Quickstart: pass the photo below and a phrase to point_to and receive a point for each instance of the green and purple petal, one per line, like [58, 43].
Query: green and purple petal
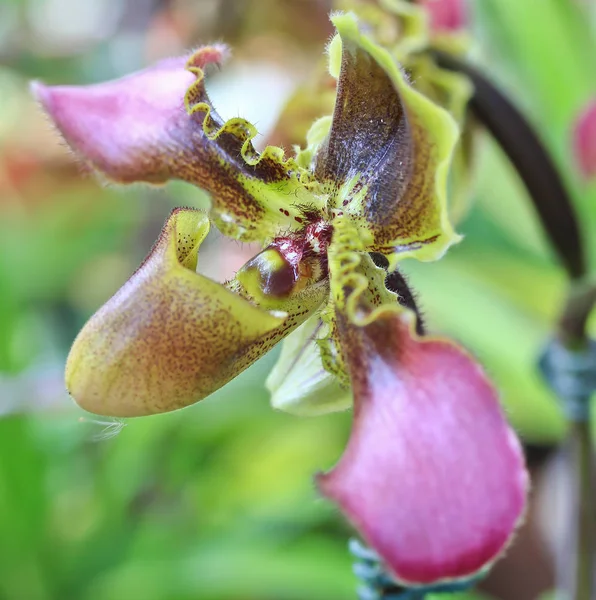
[433, 477]
[386, 159]
[170, 337]
[159, 124]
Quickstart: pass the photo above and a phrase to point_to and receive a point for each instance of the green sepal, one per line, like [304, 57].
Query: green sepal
[315, 136]
[260, 194]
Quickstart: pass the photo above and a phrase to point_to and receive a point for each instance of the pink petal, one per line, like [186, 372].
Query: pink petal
[433, 476]
[446, 16]
[159, 124]
[132, 128]
[584, 141]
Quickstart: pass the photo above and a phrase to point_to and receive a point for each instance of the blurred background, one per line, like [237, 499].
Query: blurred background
[216, 502]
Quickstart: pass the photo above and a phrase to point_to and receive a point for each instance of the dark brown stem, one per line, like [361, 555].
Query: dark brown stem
[532, 161]
[581, 299]
[586, 541]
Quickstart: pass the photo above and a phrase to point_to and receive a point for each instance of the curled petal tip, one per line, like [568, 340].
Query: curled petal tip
[121, 127]
[433, 477]
[584, 141]
[38, 91]
[215, 54]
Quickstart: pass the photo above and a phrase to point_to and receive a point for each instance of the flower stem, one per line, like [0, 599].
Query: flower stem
[581, 584]
[576, 569]
[530, 158]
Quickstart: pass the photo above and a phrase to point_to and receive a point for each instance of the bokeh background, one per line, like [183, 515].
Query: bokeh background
[216, 502]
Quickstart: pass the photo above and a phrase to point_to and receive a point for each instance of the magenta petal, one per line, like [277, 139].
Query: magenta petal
[130, 129]
[584, 141]
[446, 16]
[433, 477]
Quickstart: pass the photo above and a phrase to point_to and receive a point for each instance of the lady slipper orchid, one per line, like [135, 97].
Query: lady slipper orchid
[432, 477]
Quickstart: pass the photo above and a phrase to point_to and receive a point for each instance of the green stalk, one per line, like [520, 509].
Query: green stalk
[576, 571]
[584, 463]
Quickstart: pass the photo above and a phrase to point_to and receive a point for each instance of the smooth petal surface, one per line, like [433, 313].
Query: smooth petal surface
[170, 337]
[584, 141]
[433, 477]
[387, 154]
[124, 128]
[159, 124]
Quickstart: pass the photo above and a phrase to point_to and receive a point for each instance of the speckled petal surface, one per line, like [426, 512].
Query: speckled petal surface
[159, 124]
[388, 151]
[169, 337]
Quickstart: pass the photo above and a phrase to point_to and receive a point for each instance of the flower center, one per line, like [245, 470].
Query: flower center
[317, 237]
[304, 255]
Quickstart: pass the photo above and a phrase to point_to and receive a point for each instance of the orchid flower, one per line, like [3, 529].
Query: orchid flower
[433, 476]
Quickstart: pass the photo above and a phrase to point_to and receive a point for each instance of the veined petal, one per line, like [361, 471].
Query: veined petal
[387, 156]
[159, 124]
[299, 383]
[433, 477]
[170, 337]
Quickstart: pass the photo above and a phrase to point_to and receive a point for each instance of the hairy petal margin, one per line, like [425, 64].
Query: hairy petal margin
[387, 155]
[159, 124]
[433, 476]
